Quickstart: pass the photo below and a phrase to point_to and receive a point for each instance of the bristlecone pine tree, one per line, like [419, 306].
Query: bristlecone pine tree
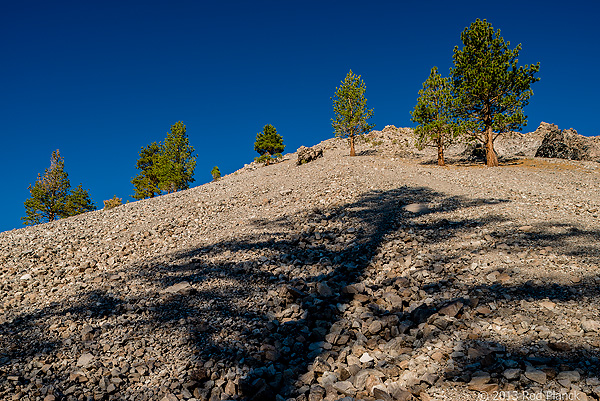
[350, 108]
[52, 198]
[435, 114]
[491, 90]
[269, 144]
[216, 174]
[167, 167]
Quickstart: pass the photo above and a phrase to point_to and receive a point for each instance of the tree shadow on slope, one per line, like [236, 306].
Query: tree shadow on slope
[302, 277]
[263, 314]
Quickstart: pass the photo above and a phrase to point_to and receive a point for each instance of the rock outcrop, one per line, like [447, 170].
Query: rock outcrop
[566, 144]
[306, 155]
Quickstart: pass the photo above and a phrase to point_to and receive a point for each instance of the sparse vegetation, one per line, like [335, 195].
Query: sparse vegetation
[112, 203]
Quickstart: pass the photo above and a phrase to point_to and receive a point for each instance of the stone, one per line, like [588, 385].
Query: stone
[366, 358]
[85, 360]
[452, 309]
[590, 326]
[416, 208]
[512, 374]
[344, 387]
[306, 155]
[568, 376]
[537, 376]
[183, 288]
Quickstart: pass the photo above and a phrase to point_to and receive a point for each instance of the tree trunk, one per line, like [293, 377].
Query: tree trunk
[491, 159]
[440, 146]
[352, 151]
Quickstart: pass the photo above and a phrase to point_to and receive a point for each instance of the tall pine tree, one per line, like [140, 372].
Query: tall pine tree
[176, 161]
[491, 89]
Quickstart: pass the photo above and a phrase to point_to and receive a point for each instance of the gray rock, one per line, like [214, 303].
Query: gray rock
[306, 155]
[537, 376]
[567, 144]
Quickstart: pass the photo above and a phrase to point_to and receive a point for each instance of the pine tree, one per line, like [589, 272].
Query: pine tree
[492, 91]
[216, 174]
[51, 196]
[167, 167]
[176, 161]
[435, 113]
[79, 201]
[350, 108]
[269, 144]
[146, 183]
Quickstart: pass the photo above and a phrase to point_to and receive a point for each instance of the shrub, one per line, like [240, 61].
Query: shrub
[112, 203]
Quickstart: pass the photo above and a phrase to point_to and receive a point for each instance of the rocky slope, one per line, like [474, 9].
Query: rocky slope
[380, 276]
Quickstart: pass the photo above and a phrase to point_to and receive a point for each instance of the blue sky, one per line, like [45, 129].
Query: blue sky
[100, 79]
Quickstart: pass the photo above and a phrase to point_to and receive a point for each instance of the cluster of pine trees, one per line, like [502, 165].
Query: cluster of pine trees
[164, 167]
[483, 96]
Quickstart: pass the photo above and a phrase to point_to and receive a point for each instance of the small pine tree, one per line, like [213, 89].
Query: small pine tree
[79, 201]
[216, 174]
[269, 144]
[51, 196]
[350, 108]
[146, 183]
[435, 113]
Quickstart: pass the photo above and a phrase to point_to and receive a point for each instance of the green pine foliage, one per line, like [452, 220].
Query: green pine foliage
[435, 113]
[491, 89]
[165, 167]
[216, 174]
[269, 144]
[79, 201]
[51, 195]
[350, 108]
[177, 161]
[146, 183]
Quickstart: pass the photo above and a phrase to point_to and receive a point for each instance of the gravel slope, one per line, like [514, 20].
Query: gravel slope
[375, 277]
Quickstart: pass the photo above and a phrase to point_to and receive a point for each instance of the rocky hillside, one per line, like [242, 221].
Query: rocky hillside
[377, 277]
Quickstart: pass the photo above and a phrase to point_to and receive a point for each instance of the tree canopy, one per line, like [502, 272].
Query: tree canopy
[435, 113]
[269, 144]
[350, 108]
[491, 89]
[51, 195]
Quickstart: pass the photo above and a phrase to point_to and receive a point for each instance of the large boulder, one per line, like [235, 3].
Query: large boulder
[306, 155]
[567, 144]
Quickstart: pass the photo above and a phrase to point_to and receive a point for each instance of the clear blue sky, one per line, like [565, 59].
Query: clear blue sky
[100, 79]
